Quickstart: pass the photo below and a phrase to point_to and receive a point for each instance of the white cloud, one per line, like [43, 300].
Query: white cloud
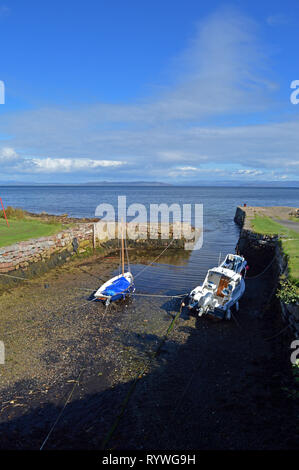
[68, 165]
[248, 172]
[187, 168]
[8, 155]
[10, 159]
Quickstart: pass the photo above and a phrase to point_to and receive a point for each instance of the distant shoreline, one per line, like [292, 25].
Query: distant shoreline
[293, 185]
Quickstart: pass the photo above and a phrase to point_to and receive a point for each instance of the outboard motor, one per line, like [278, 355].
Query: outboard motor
[204, 302]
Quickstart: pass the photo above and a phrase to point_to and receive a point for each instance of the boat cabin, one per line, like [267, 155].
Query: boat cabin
[234, 263]
[221, 283]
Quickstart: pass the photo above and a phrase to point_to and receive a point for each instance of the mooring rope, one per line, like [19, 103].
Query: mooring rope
[237, 323]
[135, 381]
[141, 294]
[184, 393]
[260, 274]
[127, 255]
[69, 396]
[279, 333]
[44, 321]
[62, 410]
[265, 339]
[146, 267]
[16, 277]
[39, 282]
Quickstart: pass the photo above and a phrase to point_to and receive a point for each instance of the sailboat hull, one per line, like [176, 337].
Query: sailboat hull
[116, 288]
[119, 286]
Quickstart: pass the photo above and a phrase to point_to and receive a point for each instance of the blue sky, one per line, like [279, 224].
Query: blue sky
[174, 91]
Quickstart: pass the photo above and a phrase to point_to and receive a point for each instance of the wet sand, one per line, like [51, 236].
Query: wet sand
[211, 386]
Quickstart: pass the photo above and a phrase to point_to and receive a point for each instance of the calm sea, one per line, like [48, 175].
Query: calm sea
[172, 275]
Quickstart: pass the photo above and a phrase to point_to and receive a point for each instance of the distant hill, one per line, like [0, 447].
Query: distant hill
[245, 184]
[90, 183]
[270, 184]
[127, 183]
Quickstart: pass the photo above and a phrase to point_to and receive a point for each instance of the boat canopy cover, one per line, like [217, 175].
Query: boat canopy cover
[234, 262]
[219, 271]
[117, 287]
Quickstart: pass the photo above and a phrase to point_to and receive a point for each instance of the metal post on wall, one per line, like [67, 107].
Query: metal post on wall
[94, 236]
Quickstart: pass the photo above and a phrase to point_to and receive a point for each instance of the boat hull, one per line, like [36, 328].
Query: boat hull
[221, 290]
[222, 313]
[100, 295]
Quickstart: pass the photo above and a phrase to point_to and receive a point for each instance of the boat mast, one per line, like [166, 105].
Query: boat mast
[122, 248]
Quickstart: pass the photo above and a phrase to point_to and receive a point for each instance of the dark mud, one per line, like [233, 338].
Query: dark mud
[211, 386]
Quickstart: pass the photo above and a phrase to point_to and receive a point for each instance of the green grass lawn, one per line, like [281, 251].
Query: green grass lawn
[289, 239]
[291, 248]
[24, 229]
[268, 226]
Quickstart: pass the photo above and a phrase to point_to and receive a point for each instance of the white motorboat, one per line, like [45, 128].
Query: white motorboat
[221, 290]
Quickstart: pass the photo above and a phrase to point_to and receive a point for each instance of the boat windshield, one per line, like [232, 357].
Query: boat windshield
[233, 262]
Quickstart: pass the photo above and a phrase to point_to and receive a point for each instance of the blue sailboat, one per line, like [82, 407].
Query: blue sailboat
[119, 286]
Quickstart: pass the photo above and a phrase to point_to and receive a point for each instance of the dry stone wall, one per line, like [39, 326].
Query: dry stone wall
[21, 255]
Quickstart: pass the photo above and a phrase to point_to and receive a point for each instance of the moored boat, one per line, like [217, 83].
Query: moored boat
[119, 286]
[221, 290]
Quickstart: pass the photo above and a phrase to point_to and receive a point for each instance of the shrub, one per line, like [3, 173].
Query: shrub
[294, 392]
[288, 292]
[12, 212]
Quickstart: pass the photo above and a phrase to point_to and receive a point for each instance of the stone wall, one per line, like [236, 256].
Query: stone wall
[290, 312]
[36, 256]
[259, 250]
[240, 216]
[22, 254]
[146, 235]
